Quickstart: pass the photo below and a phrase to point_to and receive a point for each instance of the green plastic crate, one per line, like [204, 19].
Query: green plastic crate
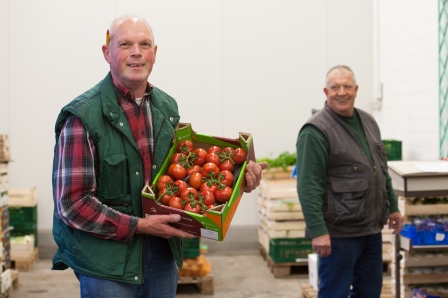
[282, 250]
[191, 247]
[21, 214]
[393, 149]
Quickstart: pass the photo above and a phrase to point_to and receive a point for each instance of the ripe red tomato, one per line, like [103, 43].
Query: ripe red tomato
[193, 169]
[226, 177]
[214, 149]
[207, 197]
[195, 180]
[239, 156]
[228, 150]
[177, 157]
[164, 197]
[194, 207]
[213, 158]
[210, 168]
[189, 193]
[223, 195]
[185, 146]
[206, 186]
[181, 185]
[163, 180]
[175, 202]
[227, 165]
[200, 156]
[177, 172]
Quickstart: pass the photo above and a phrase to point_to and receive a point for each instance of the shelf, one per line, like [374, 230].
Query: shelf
[419, 178]
[406, 244]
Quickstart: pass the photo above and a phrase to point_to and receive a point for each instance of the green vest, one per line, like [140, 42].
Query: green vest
[120, 180]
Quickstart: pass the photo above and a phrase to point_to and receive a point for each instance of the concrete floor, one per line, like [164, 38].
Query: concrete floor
[238, 270]
[237, 276]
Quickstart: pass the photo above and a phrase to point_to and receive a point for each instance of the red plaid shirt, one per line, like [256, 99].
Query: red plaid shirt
[75, 169]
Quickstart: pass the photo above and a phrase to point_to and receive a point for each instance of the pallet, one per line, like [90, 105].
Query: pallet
[309, 292]
[280, 270]
[203, 283]
[14, 285]
[25, 264]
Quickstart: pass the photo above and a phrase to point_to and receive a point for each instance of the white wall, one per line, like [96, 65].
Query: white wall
[408, 68]
[253, 66]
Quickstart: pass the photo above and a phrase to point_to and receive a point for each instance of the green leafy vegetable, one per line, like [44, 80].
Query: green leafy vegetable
[284, 160]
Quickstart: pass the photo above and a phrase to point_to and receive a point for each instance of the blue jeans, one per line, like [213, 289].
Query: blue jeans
[160, 276]
[354, 262]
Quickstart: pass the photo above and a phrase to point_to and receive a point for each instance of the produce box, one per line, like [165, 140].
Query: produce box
[191, 248]
[213, 223]
[290, 249]
[393, 149]
[22, 247]
[23, 197]
[427, 233]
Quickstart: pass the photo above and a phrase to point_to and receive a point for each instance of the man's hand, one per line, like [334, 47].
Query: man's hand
[253, 174]
[322, 245]
[395, 222]
[158, 225]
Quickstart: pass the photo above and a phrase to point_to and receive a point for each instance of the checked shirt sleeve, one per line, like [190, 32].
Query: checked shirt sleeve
[74, 185]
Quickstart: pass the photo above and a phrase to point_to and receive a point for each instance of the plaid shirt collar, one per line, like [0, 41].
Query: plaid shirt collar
[126, 93]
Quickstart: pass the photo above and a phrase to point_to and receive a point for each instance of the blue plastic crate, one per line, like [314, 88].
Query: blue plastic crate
[421, 293]
[436, 236]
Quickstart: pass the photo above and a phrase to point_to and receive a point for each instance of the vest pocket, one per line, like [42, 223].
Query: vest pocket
[113, 184]
[347, 200]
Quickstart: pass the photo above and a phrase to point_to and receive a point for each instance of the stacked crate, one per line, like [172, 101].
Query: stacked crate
[196, 268]
[281, 232]
[421, 266]
[4, 148]
[23, 219]
[5, 229]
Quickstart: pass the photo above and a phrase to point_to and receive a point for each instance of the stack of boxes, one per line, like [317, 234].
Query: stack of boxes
[281, 232]
[23, 219]
[5, 229]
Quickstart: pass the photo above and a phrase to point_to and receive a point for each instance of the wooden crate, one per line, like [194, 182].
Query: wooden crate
[278, 189]
[282, 225]
[416, 259]
[4, 148]
[204, 284]
[23, 197]
[408, 209]
[277, 173]
[25, 264]
[309, 292]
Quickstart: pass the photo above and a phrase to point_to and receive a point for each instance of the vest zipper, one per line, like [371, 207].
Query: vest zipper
[376, 191]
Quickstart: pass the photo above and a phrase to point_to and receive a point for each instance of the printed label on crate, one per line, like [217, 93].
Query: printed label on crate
[209, 234]
[440, 237]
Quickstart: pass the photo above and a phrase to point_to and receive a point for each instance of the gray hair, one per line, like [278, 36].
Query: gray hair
[127, 17]
[340, 66]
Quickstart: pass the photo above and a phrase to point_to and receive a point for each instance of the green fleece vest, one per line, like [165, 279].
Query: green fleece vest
[120, 180]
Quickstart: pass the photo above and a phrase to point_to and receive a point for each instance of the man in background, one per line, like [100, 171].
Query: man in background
[110, 141]
[345, 191]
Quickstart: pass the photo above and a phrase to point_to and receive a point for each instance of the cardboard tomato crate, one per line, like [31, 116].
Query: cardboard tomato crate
[214, 223]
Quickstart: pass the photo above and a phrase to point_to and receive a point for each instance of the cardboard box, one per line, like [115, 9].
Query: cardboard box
[215, 223]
